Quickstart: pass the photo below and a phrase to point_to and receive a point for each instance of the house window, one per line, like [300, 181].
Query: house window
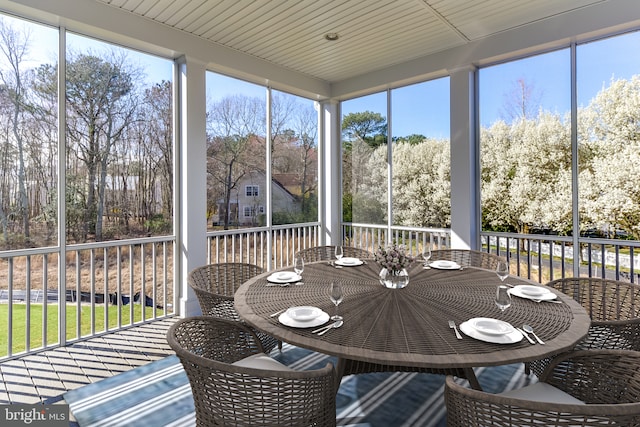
[251, 190]
[250, 211]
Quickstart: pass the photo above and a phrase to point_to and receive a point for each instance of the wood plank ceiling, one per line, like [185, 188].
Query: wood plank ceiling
[373, 34]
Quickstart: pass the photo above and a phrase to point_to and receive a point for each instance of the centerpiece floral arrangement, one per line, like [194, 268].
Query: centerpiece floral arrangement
[393, 257]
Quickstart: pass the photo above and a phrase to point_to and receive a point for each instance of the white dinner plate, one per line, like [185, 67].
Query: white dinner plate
[534, 291]
[528, 293]
[349, 262]
[470, 330]
[304, 313]
[490, 326]
[288, 321]
[284, 277]
[445, 265]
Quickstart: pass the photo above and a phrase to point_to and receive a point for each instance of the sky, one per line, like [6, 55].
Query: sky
[44, 49]
[423, 108]
[547, 74]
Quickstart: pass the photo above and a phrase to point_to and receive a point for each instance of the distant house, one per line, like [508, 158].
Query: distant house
[248, 201]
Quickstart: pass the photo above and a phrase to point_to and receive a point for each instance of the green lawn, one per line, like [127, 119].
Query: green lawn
[19, 323]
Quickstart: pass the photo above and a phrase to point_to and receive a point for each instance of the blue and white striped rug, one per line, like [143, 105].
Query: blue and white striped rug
[158, 394]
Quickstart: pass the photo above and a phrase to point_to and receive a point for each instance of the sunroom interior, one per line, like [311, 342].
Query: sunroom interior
[330, 52]
[337, 55]
[381, 45]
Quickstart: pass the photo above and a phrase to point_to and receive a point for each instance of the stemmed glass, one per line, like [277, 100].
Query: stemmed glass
[502, 270]
[298, 267]
[503, 297]
[426, 255]
[336, 297]
[338, 252]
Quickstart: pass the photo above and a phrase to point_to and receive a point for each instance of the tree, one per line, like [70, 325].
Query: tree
[521, 102]
[114, 144]
[362, 132]
[14, 46]
[413, 139]
[155, 132]
[43, 149]
[283, 108]
[234, 124]
[540, 189]
[498, 168]
[526, 174]
[612, 201]
[101, 105]
[354, 162]
[367, 126]
[305, 123]
[422, 184]
[610, 196]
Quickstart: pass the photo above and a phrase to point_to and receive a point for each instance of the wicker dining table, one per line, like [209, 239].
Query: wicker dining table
[407, 329]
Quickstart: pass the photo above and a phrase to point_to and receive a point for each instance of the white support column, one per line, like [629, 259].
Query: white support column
[192, 238]
[330, 168]
[465, 189]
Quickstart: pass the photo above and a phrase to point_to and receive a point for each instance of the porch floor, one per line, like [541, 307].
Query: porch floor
[45, 376]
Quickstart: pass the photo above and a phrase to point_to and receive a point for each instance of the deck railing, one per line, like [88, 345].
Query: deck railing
[266, 248]
[47, 300]
[546, 257]
[370, 237]
[256, 246]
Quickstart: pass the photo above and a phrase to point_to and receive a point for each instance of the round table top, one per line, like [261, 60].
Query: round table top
[409, 326]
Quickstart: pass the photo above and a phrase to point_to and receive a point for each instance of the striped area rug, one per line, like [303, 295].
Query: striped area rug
[158, 394]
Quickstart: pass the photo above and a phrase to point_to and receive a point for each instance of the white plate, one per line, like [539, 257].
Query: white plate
[288, 321]
[304, 313]
[349, 262]
[284, 277]
[468, 329]
[489, 326]
[533, 291]
[445, 265]
[546, 295]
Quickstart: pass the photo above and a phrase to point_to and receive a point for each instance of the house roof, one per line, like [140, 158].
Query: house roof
[289, 181]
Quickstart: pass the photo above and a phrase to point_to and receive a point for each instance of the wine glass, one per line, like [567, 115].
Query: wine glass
[503, 297]
[426, 255]
[336, 297]
[338, 252]
[298, 267]
[502, 270]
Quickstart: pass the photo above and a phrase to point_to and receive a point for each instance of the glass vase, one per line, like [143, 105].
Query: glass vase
[394, 279]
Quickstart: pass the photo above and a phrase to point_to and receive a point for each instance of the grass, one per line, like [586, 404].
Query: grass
[19, 330]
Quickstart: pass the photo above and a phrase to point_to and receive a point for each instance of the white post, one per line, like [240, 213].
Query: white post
[330, 167]
[191, 206]
[465, 188]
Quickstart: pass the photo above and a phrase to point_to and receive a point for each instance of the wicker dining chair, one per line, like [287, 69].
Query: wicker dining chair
[581, 388]
[215, 286]
[326, 253]
[614, 309]
[235, 384]
[468, 258]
